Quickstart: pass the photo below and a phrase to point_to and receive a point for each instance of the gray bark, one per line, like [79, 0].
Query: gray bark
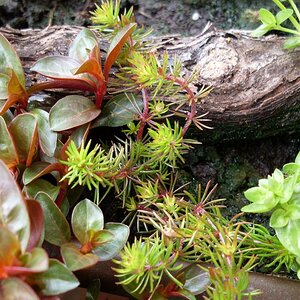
[256, 84]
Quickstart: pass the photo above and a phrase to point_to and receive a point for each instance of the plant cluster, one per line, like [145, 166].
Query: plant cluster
[280, 22]
[47, 162]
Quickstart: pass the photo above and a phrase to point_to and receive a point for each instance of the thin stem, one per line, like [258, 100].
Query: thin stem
[144, 116]
[287, 30]
[295, 8]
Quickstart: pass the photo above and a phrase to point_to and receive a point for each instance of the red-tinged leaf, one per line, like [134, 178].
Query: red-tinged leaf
[8, 152]
[111, 249]
[116, 46]
[35, 261]
[12, 100]
[74, 259]
[57, 67]
[72, 111]
[56, 280]
[101, 237]
[15, 87]
[4, 79]
[9, 248]
[80, 134]
[87, 217]
[41, 185]
[57, 230]
[36, 223]
[13, 210]
[83, 44]
[10, 59]
[92, 67]
[38, 169]
[14, 288]
[23, 128]
[47, 137]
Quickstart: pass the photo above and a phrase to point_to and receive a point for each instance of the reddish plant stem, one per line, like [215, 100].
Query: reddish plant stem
[65, 83]
[192, 101]
[144, 116]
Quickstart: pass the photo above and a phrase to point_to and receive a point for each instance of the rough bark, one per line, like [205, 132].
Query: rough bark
[256, 84]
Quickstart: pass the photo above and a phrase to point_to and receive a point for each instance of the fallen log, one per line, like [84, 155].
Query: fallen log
[256, 84]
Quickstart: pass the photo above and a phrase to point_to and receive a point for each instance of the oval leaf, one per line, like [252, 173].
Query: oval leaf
[116, 46]
[110, 249]
[56, 280]
[9, 247]
[41, 185]
[10, 59]
[57, 230]
[87, 218]
[4, 79]
[81, 47]
[8, 152]
[15, 288]
[267, 17]
[24, 131]
[13, 209]
[119, 111]
[35, 212]
[56, 67]
[283, 15]
[72, 111]
[74, 259]
[47, 137]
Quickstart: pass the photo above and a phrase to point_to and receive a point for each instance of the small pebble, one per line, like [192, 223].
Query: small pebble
[195, 16]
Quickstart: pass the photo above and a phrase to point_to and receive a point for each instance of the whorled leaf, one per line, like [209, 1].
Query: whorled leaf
[119, 111]
[110, 249]
[56, 280]
[13, 209]
[74, 259]
[82, 45]
[87, 218]
[10, 59]
[47, 137]
[72, 111]
[8, 152]
[14, 288]
[57, 230]
[23, 128]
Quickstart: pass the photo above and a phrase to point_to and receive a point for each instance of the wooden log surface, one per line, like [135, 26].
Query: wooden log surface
[256, 83]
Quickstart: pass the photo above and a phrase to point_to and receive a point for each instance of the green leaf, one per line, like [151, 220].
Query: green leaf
[13, 209]
[261, 30]
[87, 218]
[93, 290]
[56, 280]
[196, 280]
[9, 247]
[41, 185]
[24, 131]
[57, 67]
[8, 152]
[14, 288]
[72, 111]
[81, 47]
[292, 42]
[258, 194]
[47, 137]
[267, 17]
[4, 79]
[10, 59]
[74, 259]
[110, 249]
[36, 170]
[116, 46]
[101, 237]
[279, 218]
[36, 260]
[57, 230]
[289, 236]
[283, 15]
[79, 135]
[119, 111]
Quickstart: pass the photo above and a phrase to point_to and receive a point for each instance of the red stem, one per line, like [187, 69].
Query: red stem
[64, 83]
[190, 94]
